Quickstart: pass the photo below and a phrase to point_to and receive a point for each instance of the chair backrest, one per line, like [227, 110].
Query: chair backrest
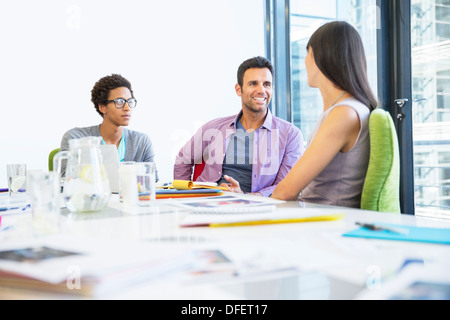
[381, 190]
[50, 158]
[198, 169]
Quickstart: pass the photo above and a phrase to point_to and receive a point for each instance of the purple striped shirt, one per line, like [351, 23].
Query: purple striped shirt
[277, 146]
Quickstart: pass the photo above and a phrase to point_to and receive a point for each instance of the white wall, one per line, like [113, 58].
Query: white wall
[181, 57]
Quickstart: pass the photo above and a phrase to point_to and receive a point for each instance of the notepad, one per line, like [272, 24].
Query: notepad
[417, 234]
[14, 205]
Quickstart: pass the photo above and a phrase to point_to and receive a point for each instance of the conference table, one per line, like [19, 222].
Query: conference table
[282, 261]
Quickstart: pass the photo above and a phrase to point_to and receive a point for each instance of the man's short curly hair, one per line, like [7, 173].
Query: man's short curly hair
[101, 89]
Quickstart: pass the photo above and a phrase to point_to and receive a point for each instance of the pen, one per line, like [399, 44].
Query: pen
[23, 208]
[3, 189]
[376, 227]
[6, 208]
[6, 228]
[263, 222]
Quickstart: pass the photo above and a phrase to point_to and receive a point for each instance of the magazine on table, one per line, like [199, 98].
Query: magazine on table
[86, 266]
[245, 210]
[230, 203]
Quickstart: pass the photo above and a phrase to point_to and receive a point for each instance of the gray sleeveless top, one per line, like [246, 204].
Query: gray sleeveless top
[341, 182]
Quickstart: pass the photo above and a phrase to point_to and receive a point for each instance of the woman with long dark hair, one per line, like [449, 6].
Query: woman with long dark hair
[333, 168]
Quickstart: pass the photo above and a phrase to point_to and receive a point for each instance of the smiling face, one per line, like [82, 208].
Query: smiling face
[256, 90]
[118, 117]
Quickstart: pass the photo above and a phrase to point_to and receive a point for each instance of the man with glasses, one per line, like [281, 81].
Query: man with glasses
[114, 101]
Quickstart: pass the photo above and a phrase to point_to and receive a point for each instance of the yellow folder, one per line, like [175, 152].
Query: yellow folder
[189, 185]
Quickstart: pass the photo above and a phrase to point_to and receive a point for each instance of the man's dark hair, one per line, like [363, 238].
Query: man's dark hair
[100, 92]
[256, 62]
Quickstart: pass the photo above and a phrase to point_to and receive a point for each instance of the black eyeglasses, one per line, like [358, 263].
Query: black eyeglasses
[120, 102]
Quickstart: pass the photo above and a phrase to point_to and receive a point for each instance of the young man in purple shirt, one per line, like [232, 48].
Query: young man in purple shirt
[250, 152]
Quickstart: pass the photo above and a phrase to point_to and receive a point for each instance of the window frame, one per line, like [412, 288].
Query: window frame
[395, 86]
[278, 51]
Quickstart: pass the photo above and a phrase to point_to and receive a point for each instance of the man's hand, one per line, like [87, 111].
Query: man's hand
[233, 184]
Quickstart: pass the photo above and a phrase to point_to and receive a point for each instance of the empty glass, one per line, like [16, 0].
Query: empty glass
[44, 194]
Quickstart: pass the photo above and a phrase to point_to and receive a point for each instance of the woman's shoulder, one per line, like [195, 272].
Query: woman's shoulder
[361, 109]
[354, 104]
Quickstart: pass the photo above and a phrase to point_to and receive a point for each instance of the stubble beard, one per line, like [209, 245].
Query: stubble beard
[255, 109]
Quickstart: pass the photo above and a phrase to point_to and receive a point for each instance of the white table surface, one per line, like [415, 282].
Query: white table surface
[327, 265]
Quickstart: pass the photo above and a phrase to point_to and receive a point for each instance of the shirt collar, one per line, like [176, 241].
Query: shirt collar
[267, 122]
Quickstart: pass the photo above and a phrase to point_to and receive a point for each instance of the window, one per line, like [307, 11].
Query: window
[413, 59]
[430, 40]
[305, 18]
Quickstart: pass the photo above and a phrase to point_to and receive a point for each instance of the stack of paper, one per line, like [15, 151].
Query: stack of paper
[14, 205]
[85, 266]
[176, 193]
[189, 189]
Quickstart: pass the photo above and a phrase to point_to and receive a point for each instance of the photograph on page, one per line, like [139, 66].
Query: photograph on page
[34, 254]
[229, 204]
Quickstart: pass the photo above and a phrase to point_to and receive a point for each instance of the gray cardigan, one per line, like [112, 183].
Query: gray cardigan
[138, 146]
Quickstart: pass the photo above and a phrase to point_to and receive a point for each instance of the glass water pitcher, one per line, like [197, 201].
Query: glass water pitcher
[84, 177]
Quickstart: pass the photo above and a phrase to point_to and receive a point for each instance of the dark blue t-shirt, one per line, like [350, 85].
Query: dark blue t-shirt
[239, 158]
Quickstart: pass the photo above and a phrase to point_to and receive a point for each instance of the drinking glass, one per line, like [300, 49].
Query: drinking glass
[17, 178]
[127, 183]
[44, 193]
[146, 181]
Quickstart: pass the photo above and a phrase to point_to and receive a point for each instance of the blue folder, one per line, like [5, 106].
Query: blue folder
[417, 234]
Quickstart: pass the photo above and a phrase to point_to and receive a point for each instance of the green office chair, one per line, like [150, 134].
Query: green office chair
[50, 158]
[381, 190]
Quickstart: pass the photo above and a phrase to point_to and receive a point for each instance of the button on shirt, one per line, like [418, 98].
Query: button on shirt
[277, 145]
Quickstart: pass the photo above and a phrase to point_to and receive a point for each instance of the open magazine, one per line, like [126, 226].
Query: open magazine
[85, 266]
[244, 210]
[230, 204]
